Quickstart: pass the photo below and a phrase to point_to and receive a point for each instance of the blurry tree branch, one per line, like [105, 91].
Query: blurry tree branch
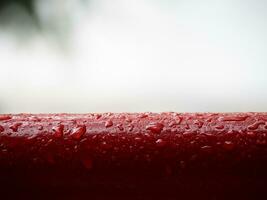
[24, 18]
[28, 5]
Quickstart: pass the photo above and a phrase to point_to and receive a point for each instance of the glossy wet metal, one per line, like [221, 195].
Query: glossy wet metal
[141, 155]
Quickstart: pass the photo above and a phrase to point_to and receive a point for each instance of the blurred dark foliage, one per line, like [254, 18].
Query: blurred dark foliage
[28, 5]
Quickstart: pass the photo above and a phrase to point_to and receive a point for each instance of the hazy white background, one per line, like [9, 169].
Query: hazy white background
[143, 55]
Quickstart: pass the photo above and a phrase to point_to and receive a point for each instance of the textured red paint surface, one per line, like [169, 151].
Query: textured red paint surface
[134, 156]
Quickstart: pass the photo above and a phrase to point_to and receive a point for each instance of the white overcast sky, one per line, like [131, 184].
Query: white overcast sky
[143, 55]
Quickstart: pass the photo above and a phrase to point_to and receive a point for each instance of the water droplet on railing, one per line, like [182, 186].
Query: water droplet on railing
[108, 124]
[105, 146]
[143, 115]
[58, 131]
[186, 126]
[1, 129]
[4, 150]
[78, 132]
[219, 127]
[5, 117]
[128, 120]
[175, 122]
[233, 118]
[206, 148]
[160, 142]
[251, 134]
[131, 127]
[15, 127]
[199, 124]
[120, 127]
[155, 127]
[228, 145]
[255, 125]
[98, 116]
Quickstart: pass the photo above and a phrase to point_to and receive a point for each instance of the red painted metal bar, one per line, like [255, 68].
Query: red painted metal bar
[138, 156]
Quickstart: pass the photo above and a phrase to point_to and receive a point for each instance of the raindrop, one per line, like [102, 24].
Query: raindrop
[193, 142]
[255, 125]
[32, 136]
[141, 147]
[78, 132]
[138, 139]
[49, 141]
[174, 130]
[209, 119]
[199, 124]
[172, 124]
[58, 131]
[98, 116]
[40, 127]
[108, 124]
[155, 127]
[128, 120]
[105, 146]
[120, 127]
[160, 142]
[109, 114]
[175, 122]
[15, 127]
[187, 126]
[228, 145]
[179, 120]
[5, 117]
[4, 150]
[1, 129]
[143, 115]
[219, 126]
[251, 134]
[233, 118]
[84, 140]
[131, 127]
[34, 118]
[206, 148]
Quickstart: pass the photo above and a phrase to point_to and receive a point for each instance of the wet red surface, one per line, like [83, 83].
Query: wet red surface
[134, 156]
